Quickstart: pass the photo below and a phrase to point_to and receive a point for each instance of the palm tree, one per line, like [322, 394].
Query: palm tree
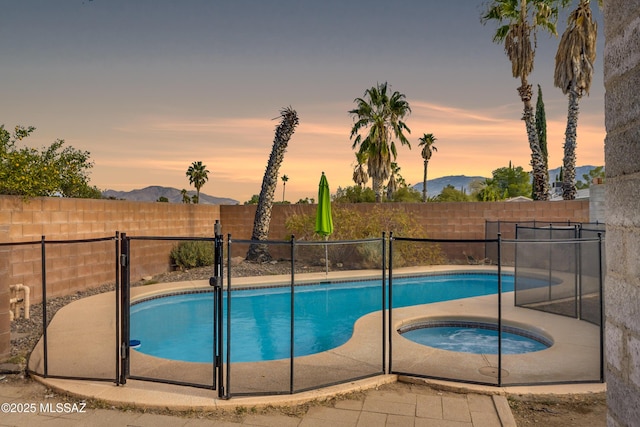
[516, 35]
[394, 180]
[360, 176]
[428, 148]
[198, 175]
[381, 114]
[573, 74]
[284, 179]
[284, 131]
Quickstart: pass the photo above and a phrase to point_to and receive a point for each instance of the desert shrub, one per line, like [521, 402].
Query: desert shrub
[192, 254]
[351, 224]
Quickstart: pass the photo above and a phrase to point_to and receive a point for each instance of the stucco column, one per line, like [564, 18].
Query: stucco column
[622, 199]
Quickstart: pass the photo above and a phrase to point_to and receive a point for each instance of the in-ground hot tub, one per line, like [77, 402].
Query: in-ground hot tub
[478, 336]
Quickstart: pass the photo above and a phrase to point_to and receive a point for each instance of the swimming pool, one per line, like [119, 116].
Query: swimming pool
[179, 326]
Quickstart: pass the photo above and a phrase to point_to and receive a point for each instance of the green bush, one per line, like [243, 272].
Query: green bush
[350, 224]
[192, 254]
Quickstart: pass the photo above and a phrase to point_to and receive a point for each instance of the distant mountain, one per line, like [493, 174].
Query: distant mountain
[153, 193]
[459, 182]
[580, 170]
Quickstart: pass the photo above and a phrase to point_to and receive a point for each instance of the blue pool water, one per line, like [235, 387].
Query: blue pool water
[179, 327]
[469, 339]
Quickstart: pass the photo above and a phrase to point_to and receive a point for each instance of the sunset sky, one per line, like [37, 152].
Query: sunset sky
[149, 86]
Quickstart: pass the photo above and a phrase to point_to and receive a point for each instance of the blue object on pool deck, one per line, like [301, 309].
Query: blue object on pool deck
[134, 343]
[179, 327]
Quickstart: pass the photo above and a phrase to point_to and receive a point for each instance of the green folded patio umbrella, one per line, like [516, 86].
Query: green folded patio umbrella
[324, 222]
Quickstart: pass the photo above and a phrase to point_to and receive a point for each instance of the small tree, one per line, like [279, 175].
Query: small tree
[185, 197]
[541, 129]
[506, 182]
[354, 194]
[55, 171]
[595, 173]
[253, 200]
[451, 194]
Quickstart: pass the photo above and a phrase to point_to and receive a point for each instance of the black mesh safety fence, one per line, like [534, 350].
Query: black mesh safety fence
[560, 270]
[535, 320]
[509, 230]
[281, 317]
[171, 326]
[591, 291]
[257, 320]
[316, 322]
[558, 297]
[438, 302]
[81, 344]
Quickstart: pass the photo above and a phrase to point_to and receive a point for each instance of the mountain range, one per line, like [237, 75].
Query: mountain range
[154, 192]
[434, 187]
[461, 182]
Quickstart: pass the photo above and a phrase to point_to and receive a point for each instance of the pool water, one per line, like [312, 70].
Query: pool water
[470, 339]
[179, 327]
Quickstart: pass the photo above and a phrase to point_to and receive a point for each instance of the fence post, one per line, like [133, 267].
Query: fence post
[43, 262]
[118, 319]
[390, 303]
[216, 281]
[499, 310]
[124, 304]
[384, 302]
[292, 330]
[226, 390]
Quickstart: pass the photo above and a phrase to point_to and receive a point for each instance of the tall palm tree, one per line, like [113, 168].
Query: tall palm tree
[360, 176]
[515, 31]
[428, 148]
[573, 74]
[284, 131]
[284, 179]
[198, 175]
[380, 114]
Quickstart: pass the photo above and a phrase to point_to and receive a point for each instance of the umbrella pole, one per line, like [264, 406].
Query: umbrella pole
[326, 256]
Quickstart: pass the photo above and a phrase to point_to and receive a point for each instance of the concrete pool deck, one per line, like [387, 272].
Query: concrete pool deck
[81, 343]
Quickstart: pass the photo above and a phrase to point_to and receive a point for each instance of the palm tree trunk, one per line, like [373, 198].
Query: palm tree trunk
[424, 182]
[540, 173]
[569, 160]
[376, 185]
[284, 131]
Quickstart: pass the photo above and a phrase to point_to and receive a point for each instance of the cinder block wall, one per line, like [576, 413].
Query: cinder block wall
[72, 267]
[441, 220]
[622, 158]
